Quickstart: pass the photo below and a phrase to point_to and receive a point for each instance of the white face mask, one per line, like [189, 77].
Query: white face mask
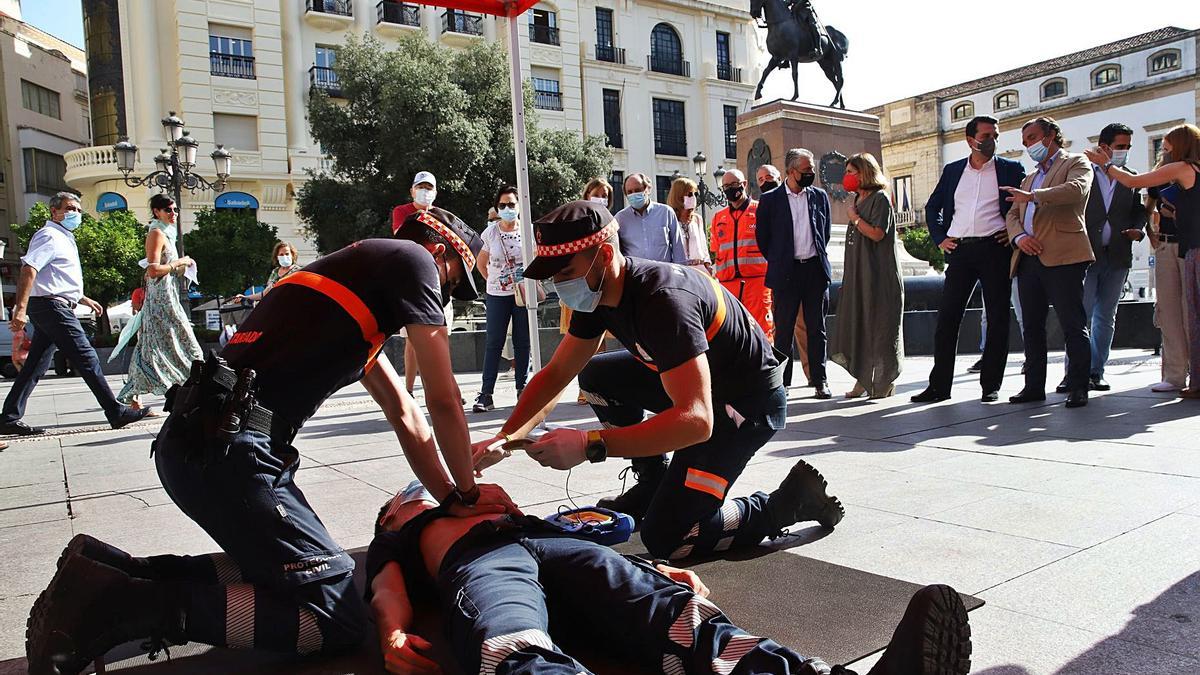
[602, 201]
[689, 202]
[425, 196]
[284, 260]
[1119, 157]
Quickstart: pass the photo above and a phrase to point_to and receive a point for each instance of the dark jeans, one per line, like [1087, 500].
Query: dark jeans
[299, 594]
[55, 325]
[688, 513]
[985, 262]
[810, 292]
[508, 585]
[500, 310]
[1062, 287]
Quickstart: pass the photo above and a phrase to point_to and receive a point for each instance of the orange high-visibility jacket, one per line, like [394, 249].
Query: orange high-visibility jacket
[733, 242]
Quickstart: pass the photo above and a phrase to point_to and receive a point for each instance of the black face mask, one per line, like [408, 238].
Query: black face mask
[734, 192]
[807, 179]
[987, 148]
[767, 186]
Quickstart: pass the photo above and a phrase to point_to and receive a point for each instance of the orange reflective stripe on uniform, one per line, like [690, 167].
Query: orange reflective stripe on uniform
[736, 246]
[347, 300]
[714, 326]
[706, 482]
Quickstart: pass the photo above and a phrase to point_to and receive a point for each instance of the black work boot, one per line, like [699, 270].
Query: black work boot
[801, 497]
[89, 608]
[636, 500]
[933, 638]
[94, 549]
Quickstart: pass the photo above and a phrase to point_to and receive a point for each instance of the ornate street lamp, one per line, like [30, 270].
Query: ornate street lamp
[173, 171]
[708, 197]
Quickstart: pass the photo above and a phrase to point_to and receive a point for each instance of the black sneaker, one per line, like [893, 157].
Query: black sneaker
[19, 428]
[127, 416]
[976, 367]
[483, 403]
[933, 638]
[801, 497]
[636, 500]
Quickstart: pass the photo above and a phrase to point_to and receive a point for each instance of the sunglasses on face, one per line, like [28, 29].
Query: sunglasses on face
[508, 205]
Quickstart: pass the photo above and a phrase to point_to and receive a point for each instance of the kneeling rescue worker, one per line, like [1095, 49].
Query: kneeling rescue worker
[225, 457]
[696, 358]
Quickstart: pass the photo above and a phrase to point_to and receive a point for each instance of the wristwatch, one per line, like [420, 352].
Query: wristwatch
[595, 450]
[467, 499]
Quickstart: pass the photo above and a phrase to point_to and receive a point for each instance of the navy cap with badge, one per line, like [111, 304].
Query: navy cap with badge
[465, 242]
[565, 231]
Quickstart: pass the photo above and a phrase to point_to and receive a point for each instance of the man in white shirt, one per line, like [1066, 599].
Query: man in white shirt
[966, 215]
[49, 287]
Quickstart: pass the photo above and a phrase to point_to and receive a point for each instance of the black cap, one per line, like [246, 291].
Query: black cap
[565, 231]
[464, 241]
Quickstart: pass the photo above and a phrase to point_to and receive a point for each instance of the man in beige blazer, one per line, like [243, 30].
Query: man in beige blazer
[1046, 227]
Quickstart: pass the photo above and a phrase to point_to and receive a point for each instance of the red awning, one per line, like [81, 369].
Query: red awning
[493, 7]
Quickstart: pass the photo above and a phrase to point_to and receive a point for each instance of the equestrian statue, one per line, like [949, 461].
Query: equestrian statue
[795, 35]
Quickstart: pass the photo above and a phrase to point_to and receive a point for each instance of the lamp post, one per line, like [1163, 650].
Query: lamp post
[174, 171]
[708, 197]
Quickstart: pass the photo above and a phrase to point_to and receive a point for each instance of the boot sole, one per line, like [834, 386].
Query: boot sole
[946, 644]
[828, 512]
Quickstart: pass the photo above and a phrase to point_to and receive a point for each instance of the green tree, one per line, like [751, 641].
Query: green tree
[231, 249]
[920, 245]
[425, 107]
[109, 249]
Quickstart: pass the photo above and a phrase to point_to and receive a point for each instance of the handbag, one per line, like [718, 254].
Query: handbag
[519, 286]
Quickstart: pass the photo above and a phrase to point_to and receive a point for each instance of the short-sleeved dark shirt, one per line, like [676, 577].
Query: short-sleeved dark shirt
[662, 319]
[304, 346]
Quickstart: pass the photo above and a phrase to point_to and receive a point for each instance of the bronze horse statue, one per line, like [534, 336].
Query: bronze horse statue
[791, 43]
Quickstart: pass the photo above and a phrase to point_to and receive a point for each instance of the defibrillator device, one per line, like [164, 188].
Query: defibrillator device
[602, 526]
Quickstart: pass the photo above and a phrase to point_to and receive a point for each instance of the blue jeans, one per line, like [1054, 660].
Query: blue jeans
[500, 310]
[509, 584]
[55, 325]
[1102, 288]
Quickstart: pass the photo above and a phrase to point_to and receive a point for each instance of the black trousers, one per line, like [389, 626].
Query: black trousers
[809, 293]
[984, 262]
[1062, 286]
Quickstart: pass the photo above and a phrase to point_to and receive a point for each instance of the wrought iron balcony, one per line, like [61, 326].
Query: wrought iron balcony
[324, 79]
[610, 54]
[547, 100]
[727, 72]
[338, 7]
[459, 22]
[400, 13]
[229, 65]
[669, 66]
[547, 35]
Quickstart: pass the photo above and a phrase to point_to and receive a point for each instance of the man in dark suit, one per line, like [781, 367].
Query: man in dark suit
[1051, 258]
[966, 215]
[1115, 218]
[793, 233]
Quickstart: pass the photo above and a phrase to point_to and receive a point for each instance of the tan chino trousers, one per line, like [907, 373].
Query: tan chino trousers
[1170, 314]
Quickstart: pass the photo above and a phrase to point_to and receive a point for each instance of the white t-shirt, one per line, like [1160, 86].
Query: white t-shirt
[504, 259]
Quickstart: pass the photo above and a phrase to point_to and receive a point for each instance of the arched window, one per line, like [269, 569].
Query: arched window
[1165, 61]
[1005, 100]
[666, 50]
[1056, 88]
[1106, 76]
[962, 111]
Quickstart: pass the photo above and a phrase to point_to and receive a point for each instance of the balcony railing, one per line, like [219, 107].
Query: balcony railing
[669, 66]
[400, 13]
[338, 7]
[727, 72]
[547, 100]
[323, 78]
[467, 24]
[229, 65]
[610, 54]
[670, 143]
[547, 35]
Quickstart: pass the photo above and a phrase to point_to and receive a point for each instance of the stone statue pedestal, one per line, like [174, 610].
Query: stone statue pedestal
[768, 131]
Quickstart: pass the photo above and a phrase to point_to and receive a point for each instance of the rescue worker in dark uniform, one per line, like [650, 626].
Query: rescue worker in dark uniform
[696, 358]
[225, 457]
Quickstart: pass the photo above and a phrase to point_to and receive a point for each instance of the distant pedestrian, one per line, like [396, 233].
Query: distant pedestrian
[285, 261]
[683, 199]
[1170, 301]
[500, 265]
[166, 344]
[49, 286]
[423, 192]
[868, 341]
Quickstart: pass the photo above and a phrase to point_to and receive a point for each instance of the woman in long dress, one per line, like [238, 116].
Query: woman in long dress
[166, 345]
[867, 341]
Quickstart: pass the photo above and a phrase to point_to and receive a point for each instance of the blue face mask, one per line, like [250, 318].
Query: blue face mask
[577, 294]
[1038, 151]
[508, 215]
[638, 200]
[72, 220]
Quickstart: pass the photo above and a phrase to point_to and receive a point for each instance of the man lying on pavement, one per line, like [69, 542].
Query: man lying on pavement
[505, 583]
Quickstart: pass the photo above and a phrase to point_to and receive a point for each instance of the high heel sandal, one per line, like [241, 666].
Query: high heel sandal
[886, 393]
[857, 392]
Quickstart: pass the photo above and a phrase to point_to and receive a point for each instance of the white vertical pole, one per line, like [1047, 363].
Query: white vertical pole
[527, 242]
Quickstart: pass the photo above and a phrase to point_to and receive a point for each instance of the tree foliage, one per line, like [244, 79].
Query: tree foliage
[920, 245]
[425, 107]
[109, 250]
[232, 250]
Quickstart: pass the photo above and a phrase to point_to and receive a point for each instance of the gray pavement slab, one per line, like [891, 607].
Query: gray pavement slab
[1080, 528]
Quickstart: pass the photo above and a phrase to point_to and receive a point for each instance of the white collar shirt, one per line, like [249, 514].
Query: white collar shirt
[977, 203]
[802, 235]
[53, 253]
[1108, 187]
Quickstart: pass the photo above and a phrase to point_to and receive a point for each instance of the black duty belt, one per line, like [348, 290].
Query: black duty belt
[218, 402]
